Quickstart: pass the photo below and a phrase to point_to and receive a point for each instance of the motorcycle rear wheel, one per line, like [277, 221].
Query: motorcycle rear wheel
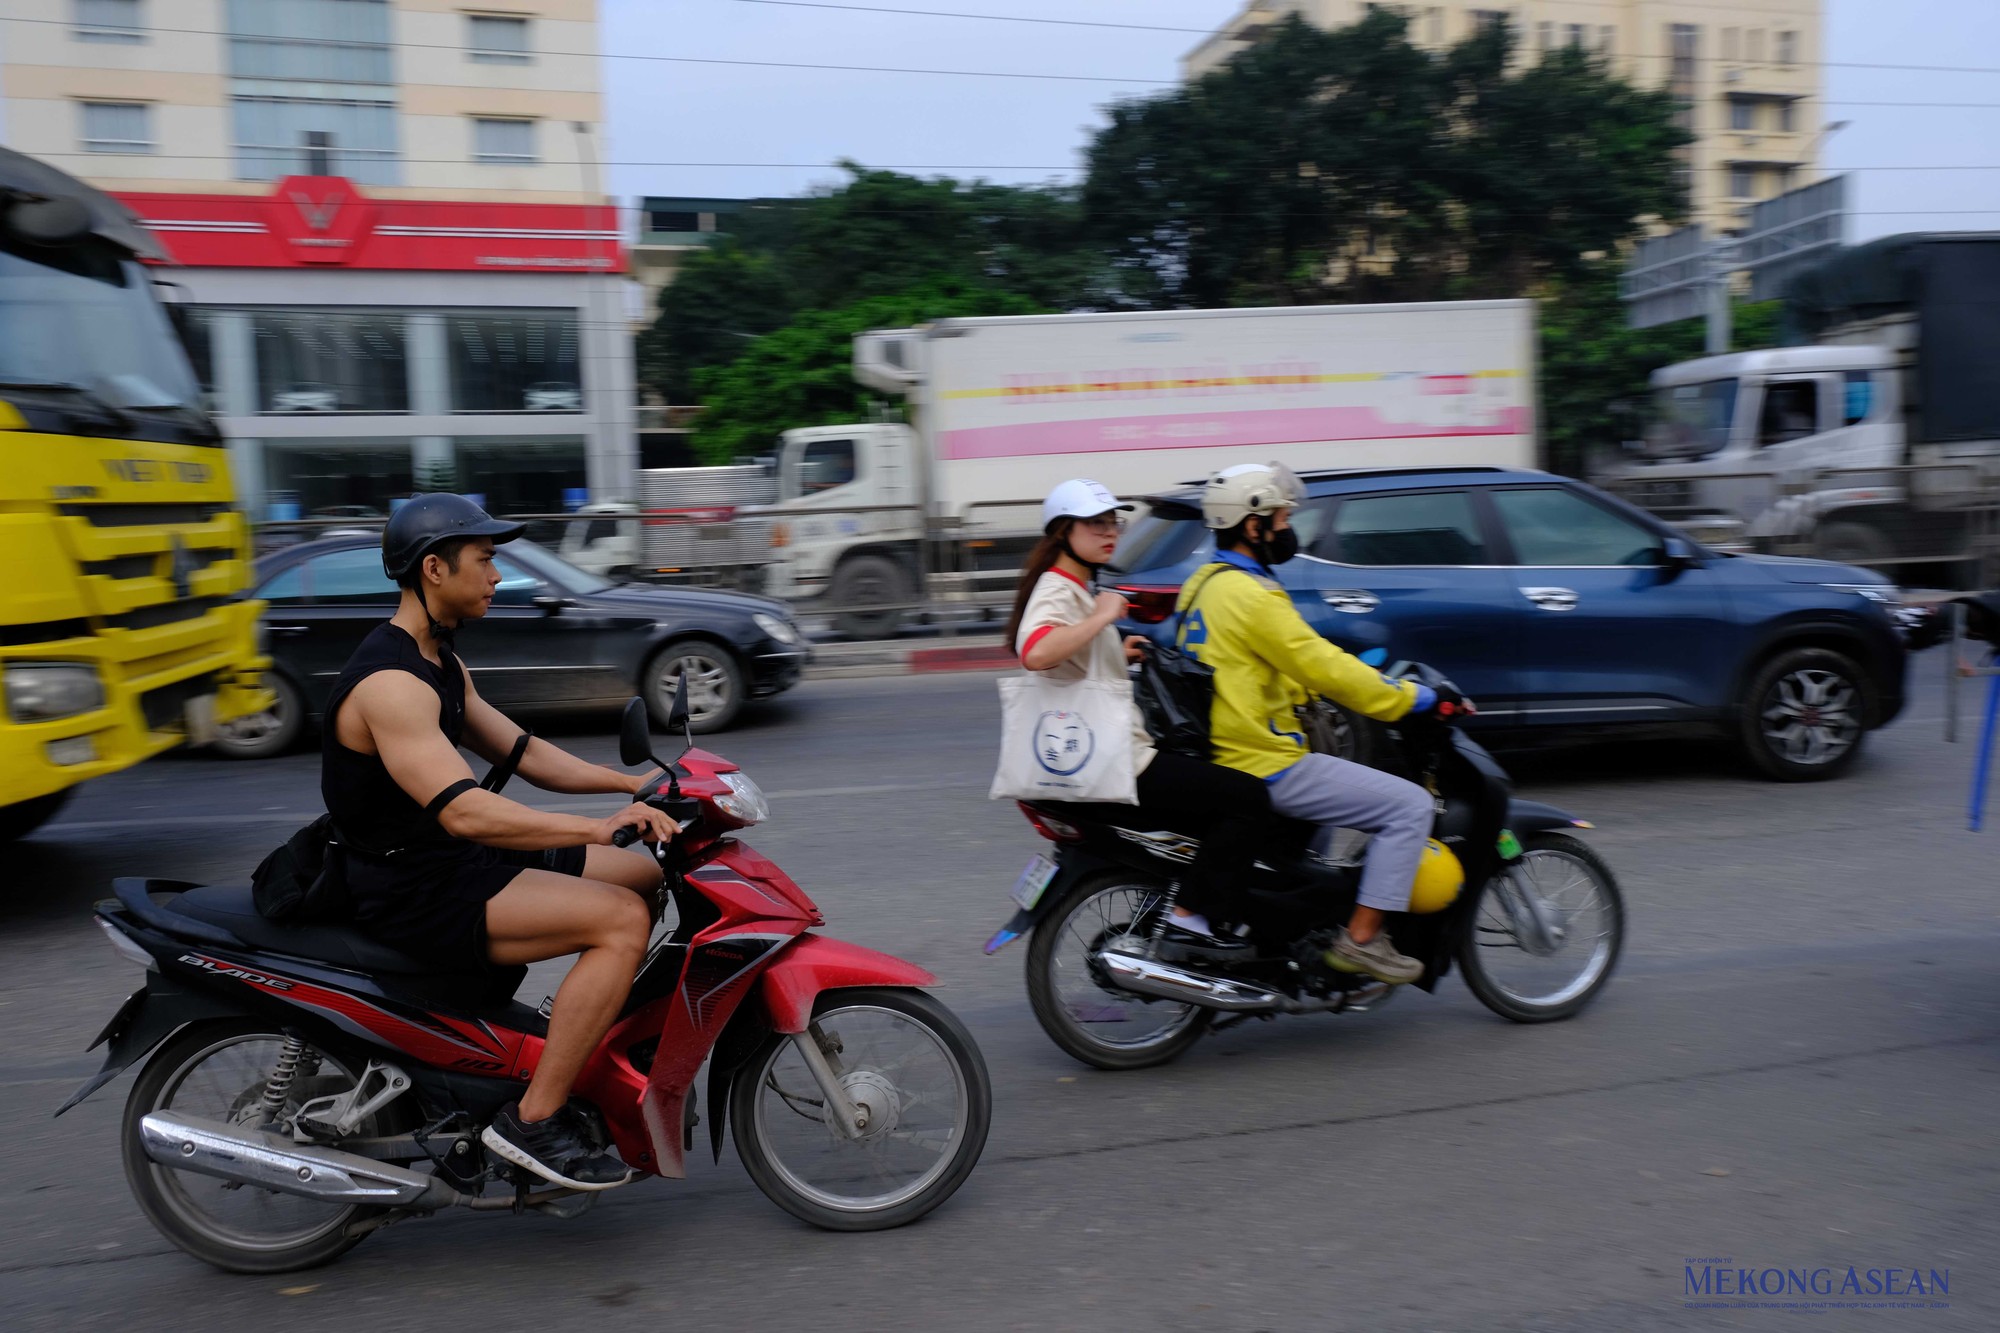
[1572, 878]
[907, 1058]
[1065, 994]
[216, 1070]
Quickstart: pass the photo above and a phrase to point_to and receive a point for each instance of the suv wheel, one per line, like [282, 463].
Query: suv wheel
[1805, 715]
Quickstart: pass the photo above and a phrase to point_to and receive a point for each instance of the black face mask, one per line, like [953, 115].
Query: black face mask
[1277, 548]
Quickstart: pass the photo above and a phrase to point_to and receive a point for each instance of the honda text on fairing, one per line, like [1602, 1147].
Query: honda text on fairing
[308, 1086]
[1529, 911]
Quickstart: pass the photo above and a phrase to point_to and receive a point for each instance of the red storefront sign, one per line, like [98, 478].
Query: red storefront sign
[326, 221]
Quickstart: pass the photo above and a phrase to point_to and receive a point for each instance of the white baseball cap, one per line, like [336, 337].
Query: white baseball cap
[1079, 497]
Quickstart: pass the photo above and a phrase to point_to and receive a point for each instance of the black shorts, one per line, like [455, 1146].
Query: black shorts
[430, 903]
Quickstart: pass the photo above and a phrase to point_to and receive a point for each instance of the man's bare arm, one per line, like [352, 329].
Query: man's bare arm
[399, 713]
[492, 733]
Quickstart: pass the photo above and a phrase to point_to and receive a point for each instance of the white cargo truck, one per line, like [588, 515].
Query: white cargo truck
[1879, 444]
[869, 517]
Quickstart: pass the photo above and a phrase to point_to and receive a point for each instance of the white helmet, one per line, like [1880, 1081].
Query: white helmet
[1079, 498]
[1235, 493]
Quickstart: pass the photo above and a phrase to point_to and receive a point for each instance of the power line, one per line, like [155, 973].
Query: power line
[1593, 4]
[1038, 75]
[991, 18]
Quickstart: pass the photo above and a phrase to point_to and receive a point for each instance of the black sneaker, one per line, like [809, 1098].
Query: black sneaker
[553, 1150]
[1190, 941]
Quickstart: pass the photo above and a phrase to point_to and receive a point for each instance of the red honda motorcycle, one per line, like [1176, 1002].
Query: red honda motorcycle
[310, 1086]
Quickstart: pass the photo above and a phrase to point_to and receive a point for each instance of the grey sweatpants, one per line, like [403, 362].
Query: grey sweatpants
[1336, 794]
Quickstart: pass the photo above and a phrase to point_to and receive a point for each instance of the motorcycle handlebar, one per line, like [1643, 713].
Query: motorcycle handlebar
[626, 836]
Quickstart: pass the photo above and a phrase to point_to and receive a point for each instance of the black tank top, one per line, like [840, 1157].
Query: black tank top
[373, 814]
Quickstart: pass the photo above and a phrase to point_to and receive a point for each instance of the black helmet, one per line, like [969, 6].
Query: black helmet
[423, 521]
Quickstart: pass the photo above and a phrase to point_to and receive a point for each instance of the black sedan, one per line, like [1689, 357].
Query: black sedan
[555, 637]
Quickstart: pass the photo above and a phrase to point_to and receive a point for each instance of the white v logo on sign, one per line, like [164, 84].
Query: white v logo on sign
[318, 216]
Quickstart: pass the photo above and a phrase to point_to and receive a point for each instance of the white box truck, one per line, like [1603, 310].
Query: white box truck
[999, 410]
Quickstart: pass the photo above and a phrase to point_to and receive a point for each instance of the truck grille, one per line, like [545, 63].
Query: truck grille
[144, 515]
[146, 566]
[166, 613]
[166, 707]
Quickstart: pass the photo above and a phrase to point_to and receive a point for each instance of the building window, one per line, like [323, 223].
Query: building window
[503, 142]
[515, 361]
[521, 476]
[1684, 44]
[661, 219]
[1788, 48]
[330, 361]
[1732, 44]
[1742, 115]
[1788, 116]
[315, 41]
[1434, 25]
[298, 136]
[1575, 36]
[494, 39]
[1482, 19]
[1545, 36]
[106, 21]
[117, 127]
[1607, 38]
[313, 89]
[1754, 51]
[1742, 182]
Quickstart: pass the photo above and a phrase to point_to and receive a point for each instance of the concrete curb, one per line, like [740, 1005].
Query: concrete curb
[849, 661]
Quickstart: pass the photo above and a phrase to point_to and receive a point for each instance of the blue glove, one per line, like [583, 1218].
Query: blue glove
[1427, 699]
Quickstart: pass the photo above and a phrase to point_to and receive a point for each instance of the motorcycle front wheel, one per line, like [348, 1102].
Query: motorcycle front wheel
[1545, 933]
[1074, 1000]
[910, 1064]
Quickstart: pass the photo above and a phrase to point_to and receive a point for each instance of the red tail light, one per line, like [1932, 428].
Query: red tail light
[1049, 827]
[1151, 603]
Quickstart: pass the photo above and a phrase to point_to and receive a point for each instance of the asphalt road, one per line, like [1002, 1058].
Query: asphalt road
[1796, 1067]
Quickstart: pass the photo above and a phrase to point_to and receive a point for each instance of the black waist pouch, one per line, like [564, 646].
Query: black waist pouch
[305, 877]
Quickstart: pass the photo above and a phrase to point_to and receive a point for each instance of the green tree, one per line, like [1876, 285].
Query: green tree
[1352, 165]
[881, 233]
[800, 375]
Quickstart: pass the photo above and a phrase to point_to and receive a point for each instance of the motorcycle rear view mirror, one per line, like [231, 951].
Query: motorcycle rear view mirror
[677, 715]
[635, 736]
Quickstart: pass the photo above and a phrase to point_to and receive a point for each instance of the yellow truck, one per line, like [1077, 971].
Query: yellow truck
[124, 628]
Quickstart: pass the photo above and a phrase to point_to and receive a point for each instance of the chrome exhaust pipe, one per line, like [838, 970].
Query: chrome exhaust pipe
[1164, 981]
[253, 1157]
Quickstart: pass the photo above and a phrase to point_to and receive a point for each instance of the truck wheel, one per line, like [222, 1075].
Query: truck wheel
[865, 581]
[1805, 715]
[24, 817]
[1852, 544]
[269, 733]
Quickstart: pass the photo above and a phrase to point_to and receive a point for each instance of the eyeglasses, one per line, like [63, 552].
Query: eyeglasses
[1104, 523]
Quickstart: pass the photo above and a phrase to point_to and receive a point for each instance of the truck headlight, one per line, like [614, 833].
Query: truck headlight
[744, 801]
[43, 691]
[782, 631]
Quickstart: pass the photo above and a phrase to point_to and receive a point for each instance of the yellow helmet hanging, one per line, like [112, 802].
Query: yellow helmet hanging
[1439, 879]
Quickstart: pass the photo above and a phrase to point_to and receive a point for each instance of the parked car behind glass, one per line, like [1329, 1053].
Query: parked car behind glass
[554, 638]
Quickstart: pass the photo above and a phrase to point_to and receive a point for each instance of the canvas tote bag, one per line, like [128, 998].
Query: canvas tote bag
[1065, 741]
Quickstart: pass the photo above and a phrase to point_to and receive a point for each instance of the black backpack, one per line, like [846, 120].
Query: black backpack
[305, 877]
[1175, 691]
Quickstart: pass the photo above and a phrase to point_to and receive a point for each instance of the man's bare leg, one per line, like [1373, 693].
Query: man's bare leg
[543, 915]
[627, 869]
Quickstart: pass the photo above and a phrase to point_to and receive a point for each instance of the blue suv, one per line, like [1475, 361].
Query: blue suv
[1556, 606]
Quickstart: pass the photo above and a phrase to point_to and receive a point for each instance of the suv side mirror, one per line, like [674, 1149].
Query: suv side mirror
[1677, 555]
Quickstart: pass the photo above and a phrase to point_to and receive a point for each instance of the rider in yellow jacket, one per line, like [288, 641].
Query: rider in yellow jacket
[1239, 621]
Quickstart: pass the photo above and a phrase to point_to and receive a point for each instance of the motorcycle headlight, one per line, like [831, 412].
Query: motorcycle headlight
[782, 631]
[744, 802]
[1884, 593]
[42, 691]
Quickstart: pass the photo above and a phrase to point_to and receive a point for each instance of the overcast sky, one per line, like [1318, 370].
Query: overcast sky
[663, 114]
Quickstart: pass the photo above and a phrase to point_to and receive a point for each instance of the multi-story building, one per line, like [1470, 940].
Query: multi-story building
[1747, 73]
[389, 219]
[670, 230]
